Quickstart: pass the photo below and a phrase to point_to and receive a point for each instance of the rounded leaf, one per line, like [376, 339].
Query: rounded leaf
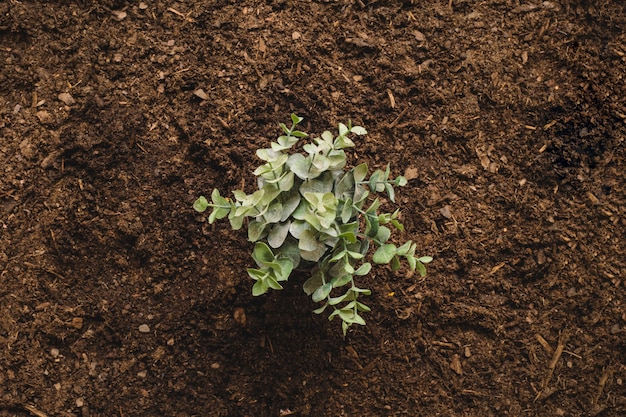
[384, 254]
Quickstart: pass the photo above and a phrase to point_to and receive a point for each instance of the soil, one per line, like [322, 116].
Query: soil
[507, 116]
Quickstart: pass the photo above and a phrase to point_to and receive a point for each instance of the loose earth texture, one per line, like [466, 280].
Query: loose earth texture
[507, 116]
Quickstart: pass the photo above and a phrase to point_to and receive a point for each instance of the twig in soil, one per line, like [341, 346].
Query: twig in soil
[544, 392]
[601, 384]
[34, 411]
[397, 119]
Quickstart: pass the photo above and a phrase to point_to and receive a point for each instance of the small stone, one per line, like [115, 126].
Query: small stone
[200, 93]
[80, 402]
[446, 212]
[295, 36]
[170, 342]
[66, 98]
[54, 352]
[419, 36]
[142, 374]
[144, 328]
[215, 365]
[142, 5]
[57, 386]
[44, 117]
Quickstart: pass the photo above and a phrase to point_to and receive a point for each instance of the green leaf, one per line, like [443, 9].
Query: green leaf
[290, 204]
[286, 181]
[404, 249]
[390, 192]
[262, 254]
[216, 198]
[363, 269]
[201, 204]
[300, 166]
[295, 120]
[336, 300]
[313, 255]
[363, 291]
[347, 211]
[373, 182]
[384, 254]
[425, 259]
[397, 225]
[343, 129]
[345, 187]
[255, 230]
[421, 268]
[395, 263]
[371, 225]
[412, 262]
[268, 154]
[257, 274]
[273, 284]
[278, 234]
[321, 309]
[274, 212]
[383, 234]
[358, 130]
[259, 288]
[322, 292]
[400, 181]
[308, 242]
[360, 172]
[341, 281]
[313, 283]
[362, 307]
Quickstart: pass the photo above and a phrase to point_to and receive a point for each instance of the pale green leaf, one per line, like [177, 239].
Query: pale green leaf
[358, 130]
[278, 234]
[384, 254]
[201, 204]
[322, 292]
[363, 269]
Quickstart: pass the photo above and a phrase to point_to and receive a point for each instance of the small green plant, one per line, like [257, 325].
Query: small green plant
[310, 212]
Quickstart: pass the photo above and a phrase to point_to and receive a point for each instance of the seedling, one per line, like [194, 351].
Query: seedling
[309, 212]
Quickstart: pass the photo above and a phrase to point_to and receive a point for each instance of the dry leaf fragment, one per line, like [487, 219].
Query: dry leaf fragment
[295, 36]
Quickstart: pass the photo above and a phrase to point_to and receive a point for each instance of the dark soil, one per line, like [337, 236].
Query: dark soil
[508, 116]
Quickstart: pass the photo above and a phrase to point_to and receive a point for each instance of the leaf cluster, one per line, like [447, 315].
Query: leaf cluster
[309, 211]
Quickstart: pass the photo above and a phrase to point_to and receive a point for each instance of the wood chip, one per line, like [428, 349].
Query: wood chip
[410, 173]
[66, 98]
[200, 93]
[455, 365]
[119, 15]
[419, 36]
[392, 100]
[240, 316]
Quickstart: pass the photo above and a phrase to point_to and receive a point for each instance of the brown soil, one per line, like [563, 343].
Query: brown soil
[508, 116]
